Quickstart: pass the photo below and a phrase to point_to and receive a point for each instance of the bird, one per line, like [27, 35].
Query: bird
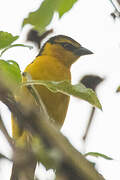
[53, 63]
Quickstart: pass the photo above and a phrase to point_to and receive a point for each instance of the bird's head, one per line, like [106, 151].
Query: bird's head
[64, 48]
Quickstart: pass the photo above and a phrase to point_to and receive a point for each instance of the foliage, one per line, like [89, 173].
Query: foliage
[65, 87]
[96, 154]
[10, 76]
[40, 19]
[6, 39]
[10, 73]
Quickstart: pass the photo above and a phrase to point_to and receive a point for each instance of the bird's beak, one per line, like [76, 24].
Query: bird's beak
[82, 51]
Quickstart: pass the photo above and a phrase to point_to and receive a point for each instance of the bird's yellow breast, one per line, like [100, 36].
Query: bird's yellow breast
[47, 68]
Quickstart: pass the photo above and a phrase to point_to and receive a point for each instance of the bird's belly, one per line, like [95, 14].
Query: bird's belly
[56, 104]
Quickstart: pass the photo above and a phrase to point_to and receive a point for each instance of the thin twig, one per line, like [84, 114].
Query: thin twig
[116, 10]
[4, 131]
[36, 95]
[89, 123]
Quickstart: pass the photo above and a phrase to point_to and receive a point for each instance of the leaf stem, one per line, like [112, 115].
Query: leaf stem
[15, 45]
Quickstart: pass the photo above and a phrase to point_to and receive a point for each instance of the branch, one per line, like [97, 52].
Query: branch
[72, 164]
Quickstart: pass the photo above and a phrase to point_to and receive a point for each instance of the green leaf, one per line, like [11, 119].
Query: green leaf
[65, 87]
[64, 6]
[10, 73]
[14, 45]
[44, 14]
[6, 39]
[96, 154]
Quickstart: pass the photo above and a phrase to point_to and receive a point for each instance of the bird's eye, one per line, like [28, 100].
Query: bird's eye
[68, 46]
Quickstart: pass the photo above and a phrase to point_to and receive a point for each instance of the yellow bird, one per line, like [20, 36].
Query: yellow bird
[52, 63]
